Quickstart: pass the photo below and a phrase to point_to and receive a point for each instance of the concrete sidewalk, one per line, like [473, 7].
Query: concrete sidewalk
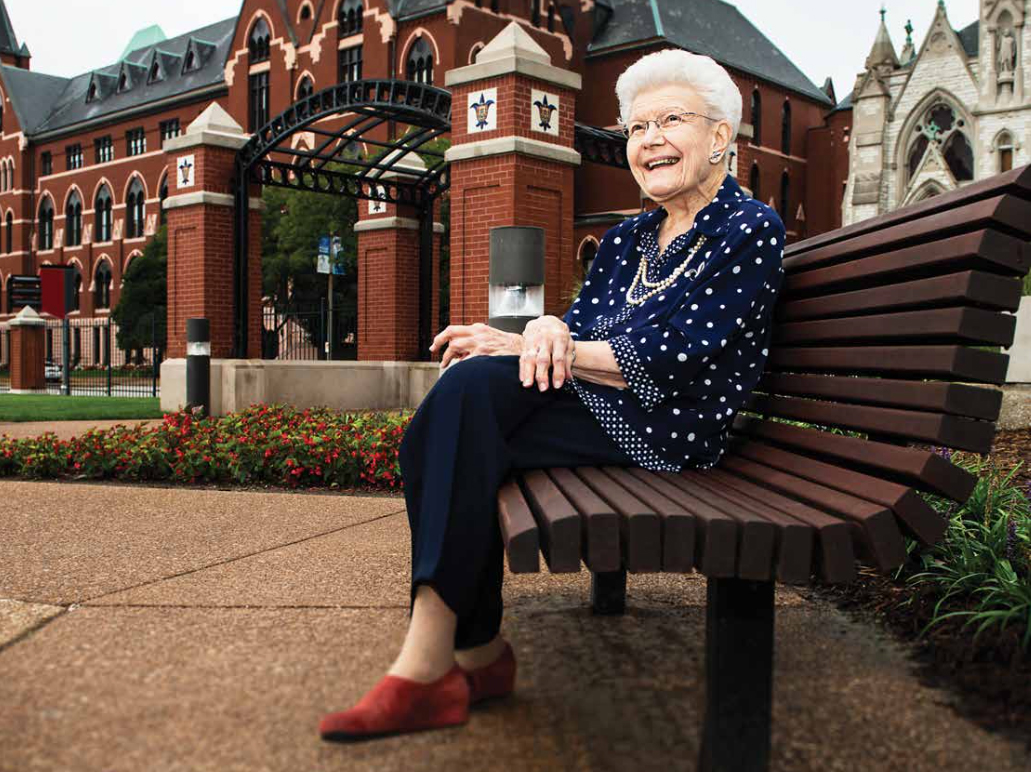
[186, 629]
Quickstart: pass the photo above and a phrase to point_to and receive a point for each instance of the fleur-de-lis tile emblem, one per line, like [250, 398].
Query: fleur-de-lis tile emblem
[545, 112]
[481, 109]
[185, 167]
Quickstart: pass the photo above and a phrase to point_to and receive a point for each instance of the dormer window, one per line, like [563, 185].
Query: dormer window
[155, 72]
[91, 93]
[190, 62]
[123, 82]
[258, 43]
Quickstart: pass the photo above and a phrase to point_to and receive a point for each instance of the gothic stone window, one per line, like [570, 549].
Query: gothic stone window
[102, 285]
[941, 124]
[258, 43]
[73, 220]
[102, 213]
[349, 18]
[1005, 152]
[46, 225]
[134, 210]
[305, 89]
[420, 65]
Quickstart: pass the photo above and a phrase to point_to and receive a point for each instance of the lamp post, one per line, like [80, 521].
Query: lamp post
[516, 277]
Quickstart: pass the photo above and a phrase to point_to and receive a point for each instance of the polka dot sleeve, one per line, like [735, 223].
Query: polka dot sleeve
[731, 302]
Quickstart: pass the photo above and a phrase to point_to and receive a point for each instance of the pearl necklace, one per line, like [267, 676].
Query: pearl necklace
[658, 287]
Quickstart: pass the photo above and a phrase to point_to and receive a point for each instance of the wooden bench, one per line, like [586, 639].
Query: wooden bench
[876, 334]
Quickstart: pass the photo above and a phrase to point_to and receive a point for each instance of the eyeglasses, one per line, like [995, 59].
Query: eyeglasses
[638, 129]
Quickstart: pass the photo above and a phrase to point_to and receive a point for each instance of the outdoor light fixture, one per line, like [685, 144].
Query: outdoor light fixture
[516, 277]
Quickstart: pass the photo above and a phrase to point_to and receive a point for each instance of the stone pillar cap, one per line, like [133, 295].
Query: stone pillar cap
[214, 127]
[513, 50]
[214, 118]
[512, 41]
[409, 164]
[28, 317]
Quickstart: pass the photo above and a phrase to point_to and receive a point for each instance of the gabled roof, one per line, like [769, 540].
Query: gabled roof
[709, 27]
[969, 38]
[44, 103]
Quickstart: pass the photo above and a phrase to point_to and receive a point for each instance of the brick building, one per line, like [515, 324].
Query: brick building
[83, 173]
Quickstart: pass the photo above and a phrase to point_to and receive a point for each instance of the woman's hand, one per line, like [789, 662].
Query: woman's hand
[470, 340]
[546, 341]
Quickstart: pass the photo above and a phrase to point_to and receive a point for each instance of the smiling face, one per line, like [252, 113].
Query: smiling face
[683, 152]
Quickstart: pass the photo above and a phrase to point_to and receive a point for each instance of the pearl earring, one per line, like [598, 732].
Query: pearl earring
[715, 157]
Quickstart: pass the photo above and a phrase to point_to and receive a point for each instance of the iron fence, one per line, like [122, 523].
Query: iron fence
[300, 332]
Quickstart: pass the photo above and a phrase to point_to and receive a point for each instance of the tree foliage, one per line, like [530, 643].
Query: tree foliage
[144, 298]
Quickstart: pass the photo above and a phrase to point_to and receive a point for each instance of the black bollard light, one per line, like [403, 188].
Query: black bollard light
[516, 277]
[198, 365]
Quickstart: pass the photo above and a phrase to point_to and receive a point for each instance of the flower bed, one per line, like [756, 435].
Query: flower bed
[263, 445]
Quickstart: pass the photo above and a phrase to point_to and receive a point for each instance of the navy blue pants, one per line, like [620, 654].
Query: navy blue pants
[476, 425]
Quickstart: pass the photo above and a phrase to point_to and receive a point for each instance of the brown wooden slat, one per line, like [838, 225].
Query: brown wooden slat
[793, 539]
[922, 522]
[678, 526]
[988, 251]
[600, 524]
[1005, 213]
[716, 534]
[952, 431]
[965, 288]
[877, 524]
[919, 468]
[952, 362]
[935, 396]
[1014, 182]
[972, 326]
[757, 536]
[519, 531]
[640, 528]
[835, 560]
[559, 522]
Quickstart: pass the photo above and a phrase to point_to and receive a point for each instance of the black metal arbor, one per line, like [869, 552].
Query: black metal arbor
[371, 103]
[268, 159]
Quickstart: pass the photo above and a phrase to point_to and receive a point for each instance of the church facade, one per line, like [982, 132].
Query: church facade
[936, 117]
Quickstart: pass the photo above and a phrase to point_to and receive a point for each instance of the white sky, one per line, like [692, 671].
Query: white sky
[822, 37]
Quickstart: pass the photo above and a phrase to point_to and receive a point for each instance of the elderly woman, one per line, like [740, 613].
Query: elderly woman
[649, 365]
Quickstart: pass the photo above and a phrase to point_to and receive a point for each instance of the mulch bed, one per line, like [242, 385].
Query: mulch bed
[990, 679]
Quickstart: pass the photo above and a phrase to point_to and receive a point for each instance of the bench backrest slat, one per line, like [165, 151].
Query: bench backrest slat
[939, 362]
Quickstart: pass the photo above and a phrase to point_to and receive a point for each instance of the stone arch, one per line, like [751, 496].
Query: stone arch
[586, 250]
[103, 258]
[254, 20]
[73, 188]
[902, 146]
[301, 79]
[417, 33]
[474, 50]
[300, 11]
[125, 266]
[129, 181]
[96, 189]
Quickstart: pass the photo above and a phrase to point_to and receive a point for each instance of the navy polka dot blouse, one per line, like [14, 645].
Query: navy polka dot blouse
[692, 352]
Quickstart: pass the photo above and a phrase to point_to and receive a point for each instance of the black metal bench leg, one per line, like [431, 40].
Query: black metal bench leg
[609, 592]
[739, 668]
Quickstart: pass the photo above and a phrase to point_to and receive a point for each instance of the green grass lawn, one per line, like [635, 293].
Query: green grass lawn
[54, 407]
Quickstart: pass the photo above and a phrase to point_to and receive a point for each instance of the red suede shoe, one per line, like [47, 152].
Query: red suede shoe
[396, 705]
[494, 680]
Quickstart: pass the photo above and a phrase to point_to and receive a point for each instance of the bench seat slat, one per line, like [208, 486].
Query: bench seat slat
[559, 523]
[716, 533]
[519, 531]
[600, 524]
[640, 529]
[919, 468]
[880, 536]
[1006, 213]
[947, 362]
[1014, 182]
[921, 521]
[964, 288]
[973, 326]
[835, 560]
[936, 396]
[793, 539]
[678, 526]
[952, 431]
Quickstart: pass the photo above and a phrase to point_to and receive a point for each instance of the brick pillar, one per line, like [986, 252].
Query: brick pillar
[512, 163]
[28, 352]
[388, 274]
[200, 211]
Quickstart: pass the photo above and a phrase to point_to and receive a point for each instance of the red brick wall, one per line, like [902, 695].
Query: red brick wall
[27, 357]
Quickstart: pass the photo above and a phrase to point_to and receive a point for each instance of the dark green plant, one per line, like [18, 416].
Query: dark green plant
[143, 301]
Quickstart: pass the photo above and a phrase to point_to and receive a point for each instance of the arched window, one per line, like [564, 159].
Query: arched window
[535, 12]
[756, 117]
[46, 225]
[134, 210]
[786, 128]
[783, 209]
[551, 17]
[420, 65]
[1005, 152]
[77, 284]
[73, 220]
[941, 125]
[754, 182]
[258, 43]
[102, 214]
[102, 285]
[305, 88]
[349, 18]
[587, 255]
[162, 195]
[9, 233]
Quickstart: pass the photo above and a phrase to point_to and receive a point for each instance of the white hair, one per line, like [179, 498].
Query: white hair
[674, 66]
